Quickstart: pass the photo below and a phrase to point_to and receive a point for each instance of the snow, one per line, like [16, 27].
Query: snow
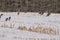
[15, 34]
[29, 20]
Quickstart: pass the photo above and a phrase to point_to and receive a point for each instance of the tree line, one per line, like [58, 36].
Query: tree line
[30, 5]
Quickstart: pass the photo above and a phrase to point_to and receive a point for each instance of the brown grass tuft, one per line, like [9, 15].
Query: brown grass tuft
[22, 28]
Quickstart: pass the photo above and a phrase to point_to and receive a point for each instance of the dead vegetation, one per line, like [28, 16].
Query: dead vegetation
[22, 28]
[39, 30]
[43, 30]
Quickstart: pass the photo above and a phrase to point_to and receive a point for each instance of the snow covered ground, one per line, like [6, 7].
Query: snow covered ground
[28, 20]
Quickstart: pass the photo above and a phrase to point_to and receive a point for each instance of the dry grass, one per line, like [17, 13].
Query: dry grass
[43, 30]
[7, 26]
[22, 28]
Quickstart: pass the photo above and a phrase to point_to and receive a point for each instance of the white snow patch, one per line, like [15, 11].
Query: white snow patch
[27, 19]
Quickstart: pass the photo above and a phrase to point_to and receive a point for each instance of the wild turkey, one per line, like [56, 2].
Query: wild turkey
[1, 15]
[8, 19]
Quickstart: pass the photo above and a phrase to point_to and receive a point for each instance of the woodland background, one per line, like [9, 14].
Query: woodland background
[30, 5]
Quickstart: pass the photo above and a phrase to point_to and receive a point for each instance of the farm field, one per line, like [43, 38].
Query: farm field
[29, 26]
